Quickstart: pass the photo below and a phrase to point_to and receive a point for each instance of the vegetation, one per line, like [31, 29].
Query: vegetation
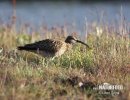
[25, 76]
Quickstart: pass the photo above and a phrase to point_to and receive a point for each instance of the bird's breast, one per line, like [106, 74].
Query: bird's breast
[61, 50]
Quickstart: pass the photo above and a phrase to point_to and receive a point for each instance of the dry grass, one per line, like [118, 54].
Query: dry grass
[25, 76]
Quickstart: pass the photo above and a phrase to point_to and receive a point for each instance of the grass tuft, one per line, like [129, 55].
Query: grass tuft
[26, 75]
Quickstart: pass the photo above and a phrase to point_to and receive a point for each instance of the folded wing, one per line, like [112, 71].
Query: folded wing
[47, 45]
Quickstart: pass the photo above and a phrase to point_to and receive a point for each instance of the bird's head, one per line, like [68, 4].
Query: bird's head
[72, 40]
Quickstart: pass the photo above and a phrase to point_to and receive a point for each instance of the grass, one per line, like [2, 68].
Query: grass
[26, 76]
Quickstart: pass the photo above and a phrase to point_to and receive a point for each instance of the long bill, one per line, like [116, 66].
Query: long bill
[83, 43]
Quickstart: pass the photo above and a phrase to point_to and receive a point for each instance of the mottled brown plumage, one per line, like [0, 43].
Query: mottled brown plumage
[50, 47]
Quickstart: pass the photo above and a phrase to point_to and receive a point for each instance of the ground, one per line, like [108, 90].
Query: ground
[73, 76]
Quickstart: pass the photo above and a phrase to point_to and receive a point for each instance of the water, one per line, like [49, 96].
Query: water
[65, 13]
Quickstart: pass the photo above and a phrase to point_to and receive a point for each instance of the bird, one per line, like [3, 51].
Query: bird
[51, 47]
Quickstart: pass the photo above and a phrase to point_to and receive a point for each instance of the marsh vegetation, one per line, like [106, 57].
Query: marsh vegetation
[24, 75]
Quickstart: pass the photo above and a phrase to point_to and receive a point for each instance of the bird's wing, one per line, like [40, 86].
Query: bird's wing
[44, 45]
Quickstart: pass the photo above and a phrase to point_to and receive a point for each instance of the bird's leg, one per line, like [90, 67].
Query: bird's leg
[47, 61]
[43, 61]
[52, 58]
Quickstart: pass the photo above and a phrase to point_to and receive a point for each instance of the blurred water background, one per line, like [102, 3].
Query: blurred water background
[73, 15]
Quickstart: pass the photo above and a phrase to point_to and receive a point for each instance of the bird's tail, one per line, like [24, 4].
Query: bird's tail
[28, 48]
[21, 48]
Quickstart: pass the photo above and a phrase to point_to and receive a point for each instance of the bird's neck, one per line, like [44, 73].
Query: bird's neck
[69, 46]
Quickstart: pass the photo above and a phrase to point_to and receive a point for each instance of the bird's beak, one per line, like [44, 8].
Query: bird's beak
[83, 43]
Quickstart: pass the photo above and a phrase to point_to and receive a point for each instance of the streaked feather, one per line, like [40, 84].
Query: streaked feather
[47, 47]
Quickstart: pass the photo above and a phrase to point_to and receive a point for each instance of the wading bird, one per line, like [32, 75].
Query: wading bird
[50, 47]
